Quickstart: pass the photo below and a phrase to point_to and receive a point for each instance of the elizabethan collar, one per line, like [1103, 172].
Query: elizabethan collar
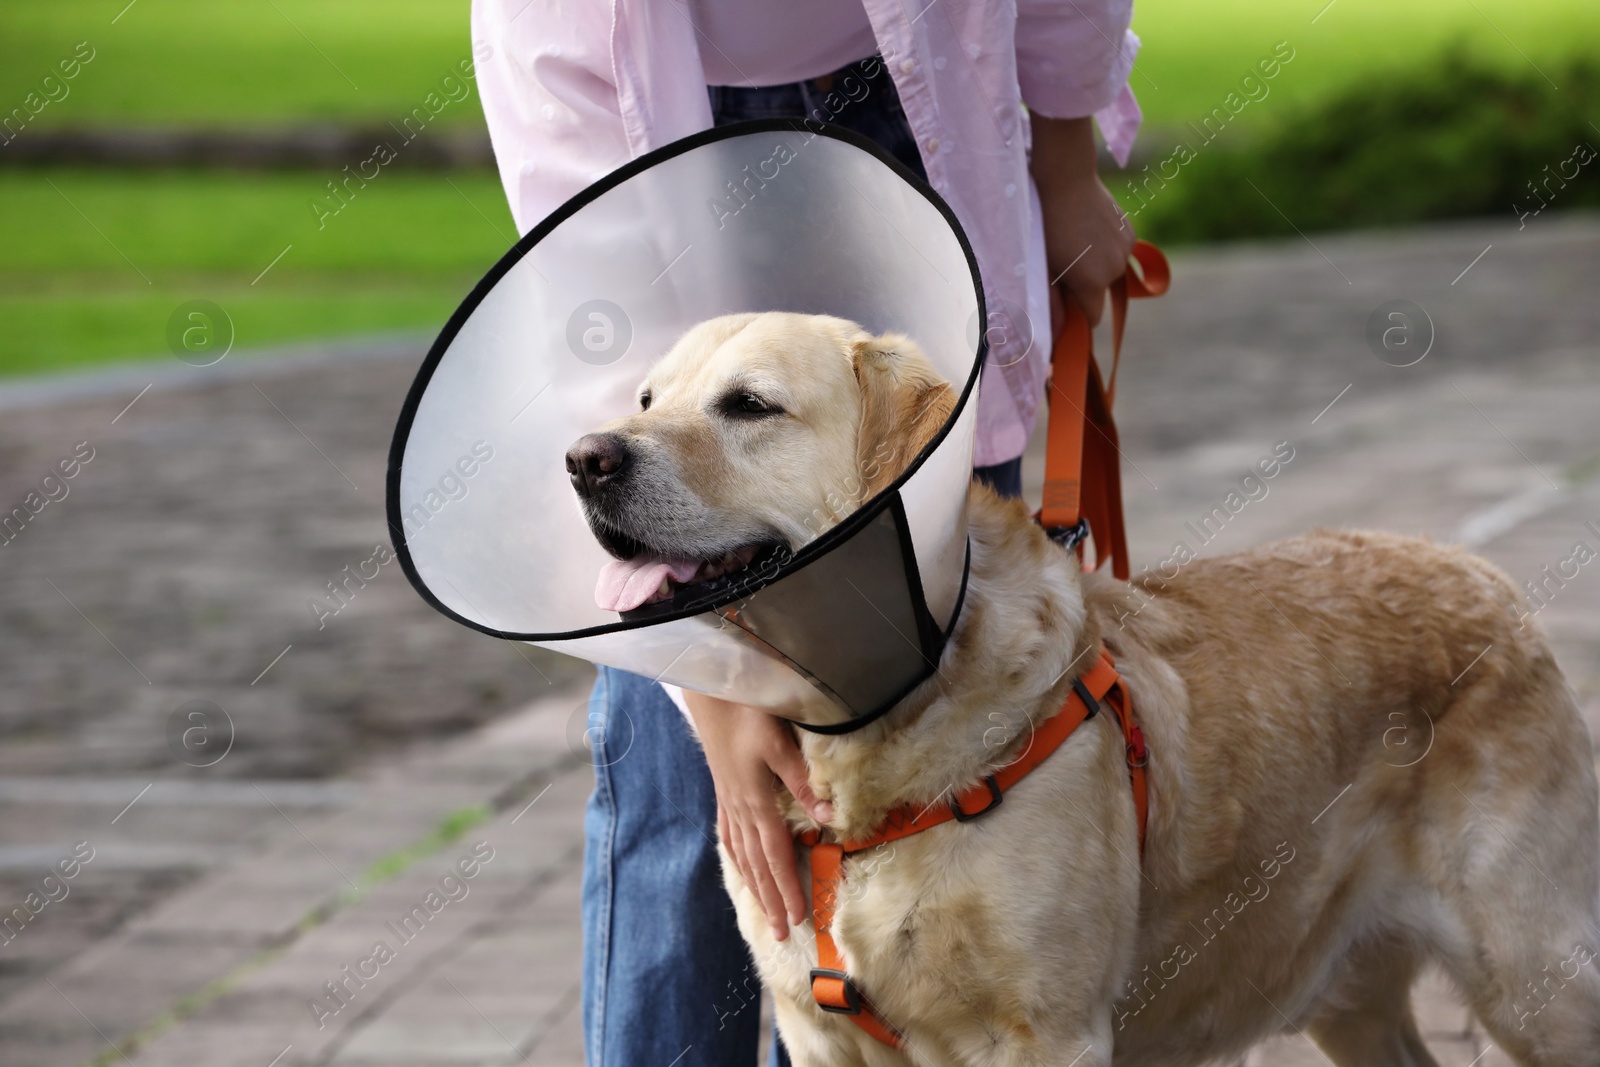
[765, 216]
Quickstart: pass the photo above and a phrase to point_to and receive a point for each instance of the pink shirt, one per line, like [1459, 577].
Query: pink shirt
[753, 42]
[572, 89]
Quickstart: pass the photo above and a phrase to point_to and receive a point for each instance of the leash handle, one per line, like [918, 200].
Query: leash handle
[1082, 470]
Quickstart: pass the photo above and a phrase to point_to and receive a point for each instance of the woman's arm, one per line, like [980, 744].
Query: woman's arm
[1087, 236]
[750, 753]
[1073, 62]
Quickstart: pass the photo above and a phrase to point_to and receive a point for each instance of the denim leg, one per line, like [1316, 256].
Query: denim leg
[665, 971]
[1004, 478]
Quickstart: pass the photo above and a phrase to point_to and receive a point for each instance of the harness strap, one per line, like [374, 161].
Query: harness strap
[1138, 756]
[1082, 467]
[831, 985]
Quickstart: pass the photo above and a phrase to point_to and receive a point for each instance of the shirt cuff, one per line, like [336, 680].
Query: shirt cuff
[1079, 78]
[1119, 124]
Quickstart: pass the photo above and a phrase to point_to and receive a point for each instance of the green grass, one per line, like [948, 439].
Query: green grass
[451, 827]
[1194, 54]
[236, 62]
[410, 246]
[95, 263]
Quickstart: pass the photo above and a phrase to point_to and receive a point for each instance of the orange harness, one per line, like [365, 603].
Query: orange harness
[1082, 496]
[830, 984]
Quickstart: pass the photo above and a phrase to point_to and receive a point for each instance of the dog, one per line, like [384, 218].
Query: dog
[1301, 867]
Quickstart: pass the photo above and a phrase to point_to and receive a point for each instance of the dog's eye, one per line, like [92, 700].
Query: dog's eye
[644, 401]
[748, 405]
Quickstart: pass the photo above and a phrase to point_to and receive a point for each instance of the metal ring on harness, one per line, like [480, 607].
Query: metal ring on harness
[1069, 537]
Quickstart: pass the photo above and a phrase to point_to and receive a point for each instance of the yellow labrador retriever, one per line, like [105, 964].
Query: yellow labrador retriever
[1301, 865]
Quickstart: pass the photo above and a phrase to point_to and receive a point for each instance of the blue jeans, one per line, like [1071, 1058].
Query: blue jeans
[665, 972]
[667, 979]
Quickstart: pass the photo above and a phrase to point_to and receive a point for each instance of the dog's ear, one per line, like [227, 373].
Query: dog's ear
[904, 402]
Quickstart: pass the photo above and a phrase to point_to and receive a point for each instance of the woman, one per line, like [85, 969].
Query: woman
[574, 88]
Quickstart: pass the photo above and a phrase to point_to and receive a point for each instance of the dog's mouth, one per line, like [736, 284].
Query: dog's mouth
[641, 576]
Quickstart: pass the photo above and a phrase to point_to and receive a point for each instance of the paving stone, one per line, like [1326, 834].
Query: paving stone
[194, 540]
[119, 1002]
[221, 923]
[407, 1040]
[463, 940]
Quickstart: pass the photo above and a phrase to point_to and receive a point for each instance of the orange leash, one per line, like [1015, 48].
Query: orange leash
[831, 984]
[1082, 466]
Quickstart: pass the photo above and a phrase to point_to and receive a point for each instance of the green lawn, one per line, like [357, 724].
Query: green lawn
[279, 62]
[235, 62]
[1195, 54]
[93, 264]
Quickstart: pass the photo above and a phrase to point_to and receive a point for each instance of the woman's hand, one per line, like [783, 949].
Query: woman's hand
[750, 751]
[1087, 236]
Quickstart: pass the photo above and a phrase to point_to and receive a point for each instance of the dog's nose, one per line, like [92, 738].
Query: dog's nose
[596, 461]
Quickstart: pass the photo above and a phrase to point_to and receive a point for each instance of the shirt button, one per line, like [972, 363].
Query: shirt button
[907, 66]
[933, 145]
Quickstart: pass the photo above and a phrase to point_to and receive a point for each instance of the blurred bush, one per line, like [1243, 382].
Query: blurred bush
[1447, 139]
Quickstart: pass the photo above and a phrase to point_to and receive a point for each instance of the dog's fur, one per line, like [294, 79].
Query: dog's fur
[1361, 764]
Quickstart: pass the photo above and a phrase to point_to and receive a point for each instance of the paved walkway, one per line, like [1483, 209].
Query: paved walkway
[367, 760]
[222, 972]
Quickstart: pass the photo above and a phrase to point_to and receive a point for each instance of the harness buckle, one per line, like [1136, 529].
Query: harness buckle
[1089, 702]
[1069, 537]
[852, 996]
[995, 799]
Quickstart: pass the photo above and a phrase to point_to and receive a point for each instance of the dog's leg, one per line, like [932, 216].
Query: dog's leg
[1519, 874]
[1544, 1014]
[1366, 1020]
[1535, 982]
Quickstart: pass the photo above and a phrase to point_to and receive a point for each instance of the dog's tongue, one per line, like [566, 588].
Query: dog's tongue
[626, 583]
